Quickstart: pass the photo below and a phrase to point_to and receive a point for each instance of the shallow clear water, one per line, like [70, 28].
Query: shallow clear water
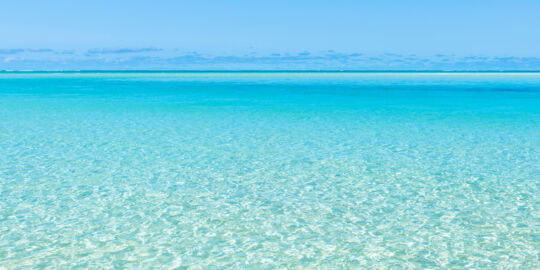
[269, 170]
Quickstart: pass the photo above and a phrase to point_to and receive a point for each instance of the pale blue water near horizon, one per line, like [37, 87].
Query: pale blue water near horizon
[265, 170]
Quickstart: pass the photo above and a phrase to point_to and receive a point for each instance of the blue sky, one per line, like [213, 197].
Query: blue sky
[414, 34]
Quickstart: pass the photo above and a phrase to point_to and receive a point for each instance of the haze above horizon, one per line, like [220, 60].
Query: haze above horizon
[242, 35]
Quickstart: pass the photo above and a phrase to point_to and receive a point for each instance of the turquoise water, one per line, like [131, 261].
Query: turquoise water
[269, 170]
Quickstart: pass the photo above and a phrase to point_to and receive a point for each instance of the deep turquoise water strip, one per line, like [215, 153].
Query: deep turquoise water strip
[264, 170]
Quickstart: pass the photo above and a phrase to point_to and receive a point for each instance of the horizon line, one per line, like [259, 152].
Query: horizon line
[276, 70]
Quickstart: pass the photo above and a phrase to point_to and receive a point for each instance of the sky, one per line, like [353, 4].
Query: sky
[238, 34]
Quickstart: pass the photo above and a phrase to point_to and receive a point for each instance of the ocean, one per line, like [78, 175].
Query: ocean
[269, 170]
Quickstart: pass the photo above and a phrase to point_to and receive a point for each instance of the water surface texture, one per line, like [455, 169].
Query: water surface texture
[262, 170]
